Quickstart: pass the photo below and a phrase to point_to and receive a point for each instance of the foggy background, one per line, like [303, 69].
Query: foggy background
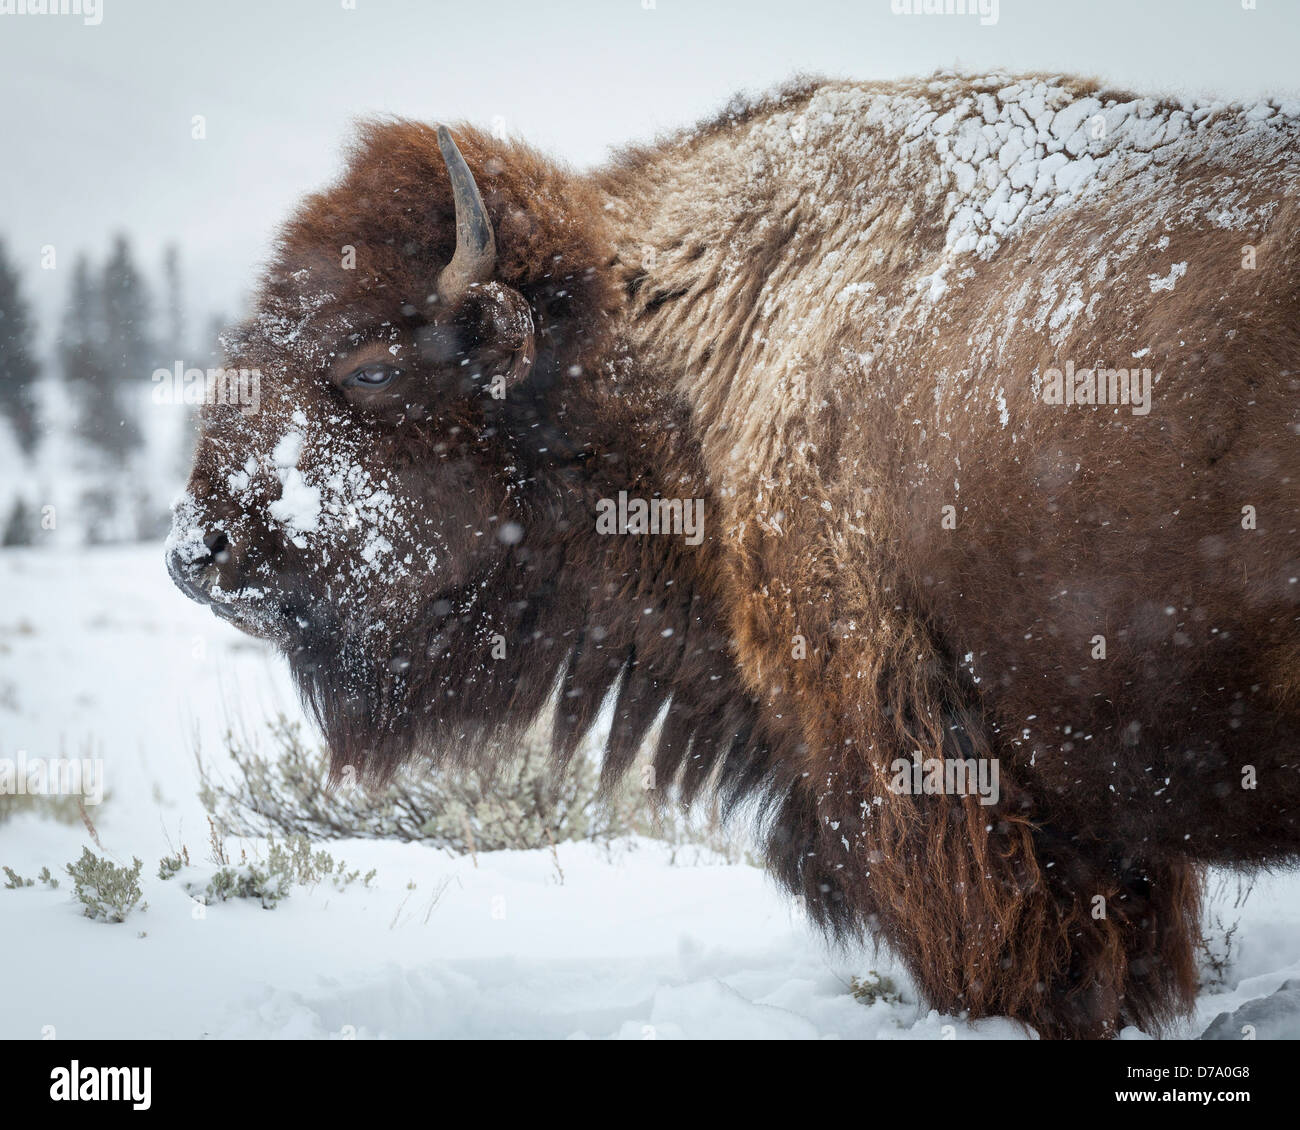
[100, 159]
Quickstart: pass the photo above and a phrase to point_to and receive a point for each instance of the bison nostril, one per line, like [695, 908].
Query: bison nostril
[218, 545]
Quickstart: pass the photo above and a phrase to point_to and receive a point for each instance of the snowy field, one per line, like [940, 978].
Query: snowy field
[100, 657]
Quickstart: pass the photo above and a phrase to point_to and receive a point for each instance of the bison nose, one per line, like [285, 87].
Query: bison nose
[218, 546]
[189, 573]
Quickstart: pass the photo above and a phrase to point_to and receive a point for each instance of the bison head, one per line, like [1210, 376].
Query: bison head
[415, 337]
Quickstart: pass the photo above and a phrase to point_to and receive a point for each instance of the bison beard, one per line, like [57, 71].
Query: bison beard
[796, 315]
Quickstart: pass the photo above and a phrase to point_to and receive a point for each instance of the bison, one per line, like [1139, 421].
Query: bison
[981, 398]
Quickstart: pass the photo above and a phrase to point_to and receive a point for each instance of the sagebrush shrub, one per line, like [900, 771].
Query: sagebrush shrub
[522, 802]
[286, 866]
[105, 890]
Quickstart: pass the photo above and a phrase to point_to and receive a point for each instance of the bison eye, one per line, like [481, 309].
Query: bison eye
[374, 375]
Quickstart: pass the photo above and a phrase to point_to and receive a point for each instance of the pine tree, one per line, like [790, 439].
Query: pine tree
[175, 328]
[18, 366]
[82, 359]
[105, 350]
[127, 343]
[20, 527]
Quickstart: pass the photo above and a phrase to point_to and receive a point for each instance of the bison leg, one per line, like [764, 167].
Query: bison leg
[1123, 935]
[994, 915]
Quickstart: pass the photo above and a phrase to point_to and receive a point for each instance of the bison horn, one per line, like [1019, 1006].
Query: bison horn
[476, 246]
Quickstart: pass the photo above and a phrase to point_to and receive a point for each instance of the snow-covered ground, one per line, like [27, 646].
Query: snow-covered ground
[100, 657]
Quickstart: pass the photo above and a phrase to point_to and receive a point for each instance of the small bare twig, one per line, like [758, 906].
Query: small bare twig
[217, 844]
[437, 897]
[469, 838]
[90, 826]
[393, 924]
[555, 856]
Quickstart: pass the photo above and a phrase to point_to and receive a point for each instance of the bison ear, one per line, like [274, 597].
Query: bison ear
[502, 323]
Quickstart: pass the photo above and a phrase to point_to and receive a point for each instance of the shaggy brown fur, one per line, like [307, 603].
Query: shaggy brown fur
[770, 313]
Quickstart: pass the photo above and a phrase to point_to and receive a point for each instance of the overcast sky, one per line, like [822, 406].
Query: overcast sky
[95, 124]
